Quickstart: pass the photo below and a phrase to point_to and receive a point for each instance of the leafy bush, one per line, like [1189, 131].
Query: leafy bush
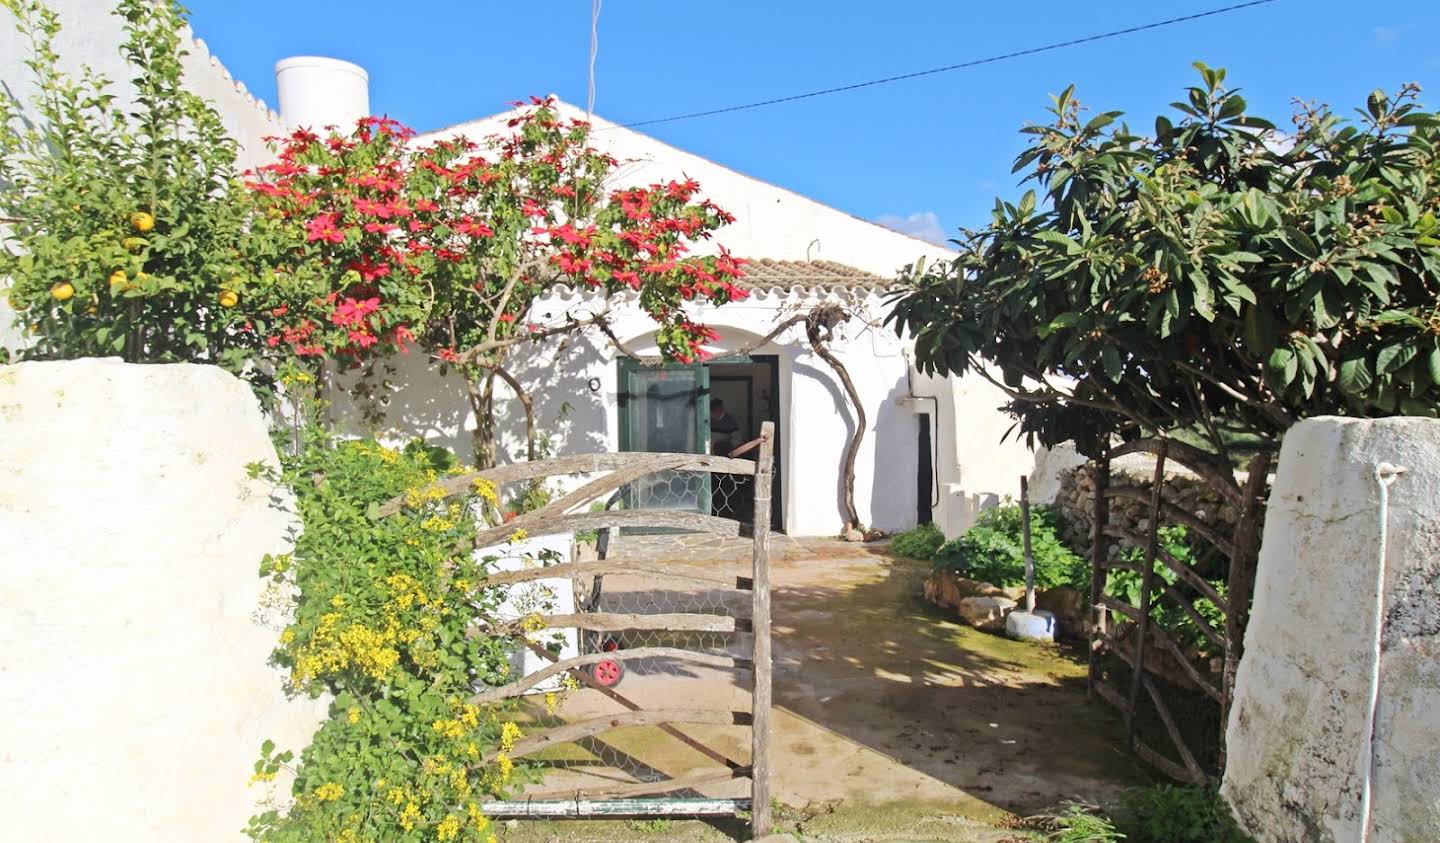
[1176, 814]
[1125, 585]
[1082, 824]
[919, 543]
[123, 224]
[384, 621]
[993, 551]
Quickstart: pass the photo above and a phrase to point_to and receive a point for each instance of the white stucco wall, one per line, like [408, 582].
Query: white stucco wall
[1295, 738]
[92, 36]
[134, 688]
[979, 464]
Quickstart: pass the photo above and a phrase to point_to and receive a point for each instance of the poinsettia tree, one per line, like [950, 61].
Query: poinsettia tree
[372, 243]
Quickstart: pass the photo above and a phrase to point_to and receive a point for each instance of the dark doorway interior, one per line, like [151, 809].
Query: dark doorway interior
[925, 476]
[743, 395]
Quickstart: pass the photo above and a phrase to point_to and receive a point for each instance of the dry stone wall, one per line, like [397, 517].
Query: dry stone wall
[1075, 500]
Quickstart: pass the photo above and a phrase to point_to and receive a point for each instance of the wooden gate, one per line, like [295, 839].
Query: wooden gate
[1140, 691]
[664, 636]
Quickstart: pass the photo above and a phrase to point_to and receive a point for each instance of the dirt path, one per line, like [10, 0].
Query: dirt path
[892, 722]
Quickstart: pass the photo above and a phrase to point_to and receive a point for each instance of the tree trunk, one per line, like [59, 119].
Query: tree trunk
[482, 404]
[531, 442]
[826, 317]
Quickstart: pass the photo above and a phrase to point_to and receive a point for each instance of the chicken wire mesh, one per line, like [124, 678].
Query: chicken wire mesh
[664, 573]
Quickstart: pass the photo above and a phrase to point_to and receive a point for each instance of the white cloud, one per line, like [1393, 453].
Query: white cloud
[923, 224]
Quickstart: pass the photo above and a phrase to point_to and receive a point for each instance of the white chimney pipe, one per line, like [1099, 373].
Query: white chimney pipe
[316, 92]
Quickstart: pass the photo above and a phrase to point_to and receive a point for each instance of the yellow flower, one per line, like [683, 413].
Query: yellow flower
[507, 767]
[329, 792]
[262, 777]
[486, 490]
[552, 701]
[338, 601]
[288, 635]
[532, 622]
[353, 714]
[509, 734]
[449, 728]
[409, 816]
[447, 829]
[519, 535]
[477, 819]
[470, 715]
[436, 524]
[396, 795]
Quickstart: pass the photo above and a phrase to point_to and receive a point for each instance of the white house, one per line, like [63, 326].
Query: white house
[931, 447]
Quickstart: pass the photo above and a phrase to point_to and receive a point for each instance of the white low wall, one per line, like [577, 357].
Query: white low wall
[134, 690]
[1297, 752]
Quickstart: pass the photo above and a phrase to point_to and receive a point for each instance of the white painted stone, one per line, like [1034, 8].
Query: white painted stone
[553, 596]
[134, 689]
[1038, 625]
[985, 612]
[1296, 753]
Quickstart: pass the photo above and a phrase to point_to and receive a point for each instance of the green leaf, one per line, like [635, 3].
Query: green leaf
[1355, 376]
[1068, 319]
[1284, 363]
[1393, 357]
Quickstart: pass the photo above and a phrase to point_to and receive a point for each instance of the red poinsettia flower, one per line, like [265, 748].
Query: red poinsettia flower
[323, 227]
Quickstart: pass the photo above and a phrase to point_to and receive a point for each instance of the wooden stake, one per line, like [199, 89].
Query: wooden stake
[1147, 582]
[1240, 585]
[760, 618]
[1097, 565]
[1025, 537]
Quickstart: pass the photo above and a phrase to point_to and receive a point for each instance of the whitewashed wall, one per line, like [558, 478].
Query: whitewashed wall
[1297, 752]
[135, 631]
[979, 464]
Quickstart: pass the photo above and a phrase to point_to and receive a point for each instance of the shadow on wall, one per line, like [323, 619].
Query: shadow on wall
[406, 396]
[896, 456]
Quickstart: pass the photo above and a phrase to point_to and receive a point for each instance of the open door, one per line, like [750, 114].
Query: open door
[665, 408]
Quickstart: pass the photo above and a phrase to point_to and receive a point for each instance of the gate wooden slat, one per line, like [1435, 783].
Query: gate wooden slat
[580, 521]
[760, 618]
[570, 732]
[616, 622]
[646, 788]
[519, 687]
[1147, 581]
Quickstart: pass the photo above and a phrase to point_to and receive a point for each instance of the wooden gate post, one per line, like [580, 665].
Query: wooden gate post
[1147, 584]
[1098, 564]
[760, 623]
[1240, 585]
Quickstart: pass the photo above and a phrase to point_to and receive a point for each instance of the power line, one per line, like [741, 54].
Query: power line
[594, 49]
[1059, 45]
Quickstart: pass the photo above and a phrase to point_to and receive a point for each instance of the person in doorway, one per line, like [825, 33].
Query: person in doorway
[723, 428]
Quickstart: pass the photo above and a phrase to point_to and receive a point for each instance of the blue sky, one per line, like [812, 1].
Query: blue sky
[929, 155]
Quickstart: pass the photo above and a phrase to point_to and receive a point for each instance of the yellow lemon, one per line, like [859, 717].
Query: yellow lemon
[15, 304]
[118, 278]
[134, 244]
[141, 221]
[229, 298]
[62, 291]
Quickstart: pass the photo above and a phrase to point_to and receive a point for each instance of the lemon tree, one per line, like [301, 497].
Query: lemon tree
[123, 236]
